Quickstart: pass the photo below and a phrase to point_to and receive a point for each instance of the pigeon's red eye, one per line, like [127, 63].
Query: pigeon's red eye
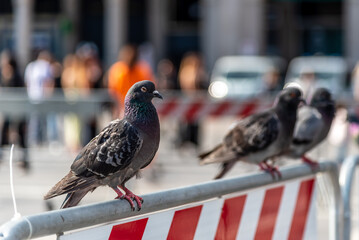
[143, 89]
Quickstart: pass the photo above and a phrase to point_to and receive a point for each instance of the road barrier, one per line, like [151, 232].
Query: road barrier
[189, 107]
[346, 181]
[245, 207]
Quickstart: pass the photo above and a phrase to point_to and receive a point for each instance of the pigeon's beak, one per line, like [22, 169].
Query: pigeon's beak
[157, 94]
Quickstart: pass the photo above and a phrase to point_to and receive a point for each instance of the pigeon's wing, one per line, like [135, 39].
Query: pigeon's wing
[110, 151]
[309, 124]
[254, 133]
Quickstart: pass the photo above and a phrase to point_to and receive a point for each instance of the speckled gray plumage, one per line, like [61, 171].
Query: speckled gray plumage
[258, 137]
[313, 123]
[118, 152]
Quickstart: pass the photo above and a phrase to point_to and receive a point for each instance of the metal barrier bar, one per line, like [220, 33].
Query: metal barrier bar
[346, 181]
[78, 217]
[15, 102]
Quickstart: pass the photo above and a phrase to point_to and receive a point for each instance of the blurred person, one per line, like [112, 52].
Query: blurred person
[192, 78]
[272, 82]
[192, 75]
[307, 81]
[88, 52]
[126, 72]
[355, 82]
[10, 77]
[166, 75]
[40, 84]
[38, 77]
[75, 83]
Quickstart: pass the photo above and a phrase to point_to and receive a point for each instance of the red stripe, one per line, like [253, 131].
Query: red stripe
[193, 109]
[184, 223]
[269, 213]
[221, 108]
[301, 209]
[247, 109]
[230, 218]
[168, 107]
[129, 231]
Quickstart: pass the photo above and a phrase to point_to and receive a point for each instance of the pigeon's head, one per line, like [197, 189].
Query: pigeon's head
[322, 99]
[143, 91]
[321, 96]
[290, 98]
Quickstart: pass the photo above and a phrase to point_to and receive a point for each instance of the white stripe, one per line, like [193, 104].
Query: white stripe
[158, 225]
[286, 210]
[97, 233]
[250, 215]
[208, 221]
[310, 231]
[204, 111]
[180, 110]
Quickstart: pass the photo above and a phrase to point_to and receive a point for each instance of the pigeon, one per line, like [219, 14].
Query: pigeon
[117, 153]
[313, 125]
[259, 137]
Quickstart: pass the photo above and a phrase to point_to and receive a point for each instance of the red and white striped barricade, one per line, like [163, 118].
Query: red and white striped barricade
[277, 211]
[193, 109]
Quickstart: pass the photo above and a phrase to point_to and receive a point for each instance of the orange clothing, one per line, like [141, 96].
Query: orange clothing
[121, 78]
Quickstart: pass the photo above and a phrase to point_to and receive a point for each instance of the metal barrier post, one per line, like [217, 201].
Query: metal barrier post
[78, 217]
[346, 180]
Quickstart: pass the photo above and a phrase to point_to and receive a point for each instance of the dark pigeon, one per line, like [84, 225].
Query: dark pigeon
[118, 153]
[257, 138]
[313, 125]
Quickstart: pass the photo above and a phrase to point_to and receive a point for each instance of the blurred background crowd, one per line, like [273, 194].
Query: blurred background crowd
[231, 49]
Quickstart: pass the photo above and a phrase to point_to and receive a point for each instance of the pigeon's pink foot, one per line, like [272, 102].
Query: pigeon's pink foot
[120, 195]
[270, 169]
[131, 195]
[313, 165]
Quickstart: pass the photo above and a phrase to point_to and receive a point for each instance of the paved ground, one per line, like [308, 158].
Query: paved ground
[49, 164]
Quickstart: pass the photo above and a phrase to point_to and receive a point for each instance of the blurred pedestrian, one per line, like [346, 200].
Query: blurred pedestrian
[38, 77]
[272, 83]
[355, 82]
[88, 53]
[10, 78]
[192, 78]
[40, 84]
[166, 75]
[75, 84]
[307, 81]
[126, 72]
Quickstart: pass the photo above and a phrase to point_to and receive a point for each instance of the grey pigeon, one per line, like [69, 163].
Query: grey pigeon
[117, 153]
[258, 137]
[313, 125]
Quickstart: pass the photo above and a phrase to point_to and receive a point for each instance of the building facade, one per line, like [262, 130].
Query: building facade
[287, 28]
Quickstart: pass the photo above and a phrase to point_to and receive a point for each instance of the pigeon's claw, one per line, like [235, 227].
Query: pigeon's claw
[313, 165]
[121, 196]
[270, 169]
[133, 196]
[130, 201]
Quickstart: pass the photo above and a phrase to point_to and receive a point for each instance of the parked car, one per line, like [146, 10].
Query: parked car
[318, 71]
[245, 76]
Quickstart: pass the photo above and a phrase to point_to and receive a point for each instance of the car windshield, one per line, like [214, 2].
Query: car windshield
[240, 76]
[243, 83]
[326, 79]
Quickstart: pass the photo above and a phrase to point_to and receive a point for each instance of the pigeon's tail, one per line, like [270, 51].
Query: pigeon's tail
[298, 141]
[71, 183]
[225, 167]
[217, 154]
[72, 199]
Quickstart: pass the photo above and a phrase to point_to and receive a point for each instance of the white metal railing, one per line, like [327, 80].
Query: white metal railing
[59, 221]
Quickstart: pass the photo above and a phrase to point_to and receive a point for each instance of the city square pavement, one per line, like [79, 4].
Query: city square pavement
[50, 163]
